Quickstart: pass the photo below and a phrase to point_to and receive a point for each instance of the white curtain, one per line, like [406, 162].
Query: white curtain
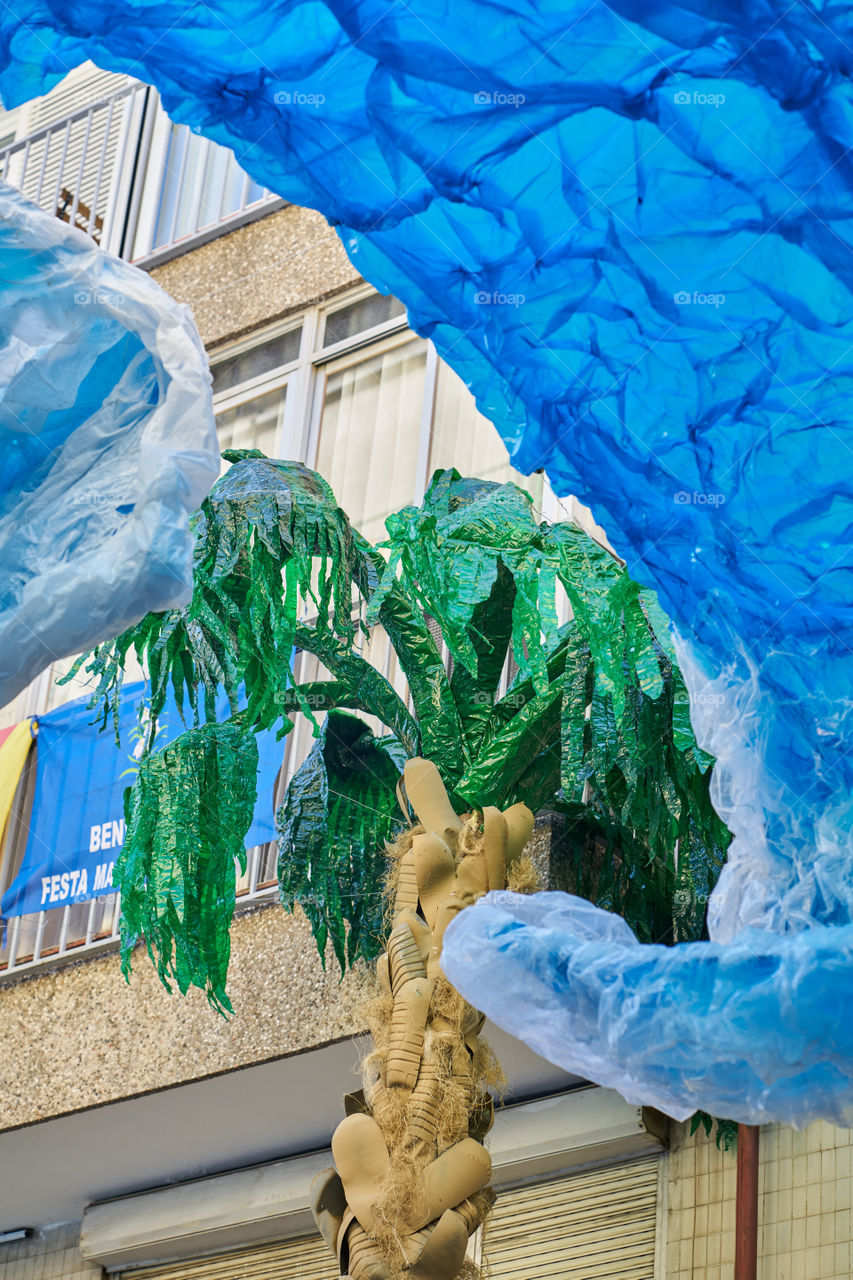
[253, 425]
[369, 435]
[464, 439]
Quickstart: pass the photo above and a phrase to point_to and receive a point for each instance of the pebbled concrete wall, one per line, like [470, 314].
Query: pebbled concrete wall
[290, 259]
[79, 1035]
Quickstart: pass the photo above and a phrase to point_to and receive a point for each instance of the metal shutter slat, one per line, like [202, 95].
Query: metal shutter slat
[598, 1225]
[307, 1258]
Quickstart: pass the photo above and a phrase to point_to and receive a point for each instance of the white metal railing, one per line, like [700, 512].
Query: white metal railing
[191, 191]
[71, 166]
[45, 939]
[118, 170]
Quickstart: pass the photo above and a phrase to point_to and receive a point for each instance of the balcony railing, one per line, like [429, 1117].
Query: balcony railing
[48, 938]
[138, 185]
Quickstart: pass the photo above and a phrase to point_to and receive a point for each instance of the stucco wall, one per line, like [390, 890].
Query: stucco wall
[254, 275]
[804, 1206]
[79, 1035]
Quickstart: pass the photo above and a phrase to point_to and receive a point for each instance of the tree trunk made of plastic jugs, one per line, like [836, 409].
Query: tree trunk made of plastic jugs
[411, 1175]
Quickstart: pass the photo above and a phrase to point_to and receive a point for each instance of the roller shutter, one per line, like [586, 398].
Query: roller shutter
[590, 1226]
[307, 1258]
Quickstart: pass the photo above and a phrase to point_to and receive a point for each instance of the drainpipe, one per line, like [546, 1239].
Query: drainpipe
[746, 1204]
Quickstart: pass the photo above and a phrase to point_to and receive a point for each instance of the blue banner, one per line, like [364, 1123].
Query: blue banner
[77, 823]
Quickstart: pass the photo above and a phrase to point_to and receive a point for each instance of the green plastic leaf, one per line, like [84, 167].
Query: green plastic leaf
[522, 726]
[187, 816]
[366, 688]
[337, 814]
[442, 737]
[573, 725]
[268, 538]
[595, 724]
[447, 555]
[491, 630]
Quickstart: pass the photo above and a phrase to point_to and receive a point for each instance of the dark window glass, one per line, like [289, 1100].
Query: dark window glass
[360, 316]
[264, 358]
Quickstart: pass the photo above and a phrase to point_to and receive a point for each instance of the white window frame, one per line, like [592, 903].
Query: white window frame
[298, 438]
[155, 150]
[305, 377]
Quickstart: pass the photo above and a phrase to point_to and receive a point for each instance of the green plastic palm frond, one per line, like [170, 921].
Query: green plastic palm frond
[519, 755]
[628, 751]
[269, 539]
[594, 725]
[446, 555]
[367, 689]
[187, 816]
[440, 726]
[605, 734]
[337, 814]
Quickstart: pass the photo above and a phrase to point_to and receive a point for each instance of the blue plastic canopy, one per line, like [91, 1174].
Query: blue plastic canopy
[628, 227]
[107, 442]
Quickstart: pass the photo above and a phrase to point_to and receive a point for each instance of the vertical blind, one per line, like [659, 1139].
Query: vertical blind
[368, 446]
[463, 438]
[254, 425]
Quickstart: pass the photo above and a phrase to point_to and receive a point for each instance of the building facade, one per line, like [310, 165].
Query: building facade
[141, 1134]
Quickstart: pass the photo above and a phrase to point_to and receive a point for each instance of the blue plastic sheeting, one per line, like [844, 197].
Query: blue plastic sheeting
[77, 823]
[658, 1022]
[107, 442]
[628, 227]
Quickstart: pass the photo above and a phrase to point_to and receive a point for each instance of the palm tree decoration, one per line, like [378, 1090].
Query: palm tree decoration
[594, 726]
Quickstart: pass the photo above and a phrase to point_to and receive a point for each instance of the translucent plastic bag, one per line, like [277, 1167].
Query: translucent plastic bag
[107, 442]
[752, 1030]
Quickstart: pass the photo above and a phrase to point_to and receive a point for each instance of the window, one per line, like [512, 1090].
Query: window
[253, 425]
[250, 388]
[256, 361]
[359, 317]
[463, 438]
[202, 185]
[348, 389]
[369, 429]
